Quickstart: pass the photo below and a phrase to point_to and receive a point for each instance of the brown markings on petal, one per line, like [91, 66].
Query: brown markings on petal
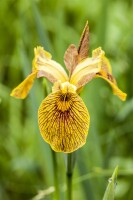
[71, 58]
[108, 76]
[83, 49]
[85, 79]
[104, 65]
[73, 55]
[111, 78]
[47, 75]
[63, 121]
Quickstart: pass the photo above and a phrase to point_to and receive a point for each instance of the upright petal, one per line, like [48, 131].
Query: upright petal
[73, 55]
[22, 90]
[63, 121]
[83, 49]
[48, 68]
[71, 58]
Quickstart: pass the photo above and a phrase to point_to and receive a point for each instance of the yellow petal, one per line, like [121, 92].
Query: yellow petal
[86, 70]
[22, 90]
[63, 121]
[109, 78]
[48, 68]
[105, 64]
[106, 74]
[41, 52]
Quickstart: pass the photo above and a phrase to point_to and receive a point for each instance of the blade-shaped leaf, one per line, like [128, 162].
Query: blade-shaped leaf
[71, 58]
[110, 190]
[83, 48]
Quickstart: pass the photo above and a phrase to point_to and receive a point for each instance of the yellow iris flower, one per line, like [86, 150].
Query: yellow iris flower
[62, 116]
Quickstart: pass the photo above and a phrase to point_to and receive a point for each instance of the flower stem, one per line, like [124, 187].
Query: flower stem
[69, 174]
[55, 171]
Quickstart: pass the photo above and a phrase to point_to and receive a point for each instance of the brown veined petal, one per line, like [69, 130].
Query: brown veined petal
[106, 74]
[71, 58]
[83, 49]
[86, 70]
[47, 67]
[22, 90]
[109, 78]
[63, 121]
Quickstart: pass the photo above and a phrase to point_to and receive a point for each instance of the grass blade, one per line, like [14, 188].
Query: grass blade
[110, 190]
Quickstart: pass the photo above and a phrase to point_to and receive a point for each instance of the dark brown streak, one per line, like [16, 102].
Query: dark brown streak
[83, 49]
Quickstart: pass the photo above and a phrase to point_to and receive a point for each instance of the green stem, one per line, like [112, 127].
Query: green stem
[69, 174]
[55, 171]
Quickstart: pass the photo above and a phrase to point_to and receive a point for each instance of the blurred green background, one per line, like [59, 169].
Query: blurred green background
[25, 159]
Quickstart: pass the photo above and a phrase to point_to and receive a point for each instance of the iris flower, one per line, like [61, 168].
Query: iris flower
[62, 116]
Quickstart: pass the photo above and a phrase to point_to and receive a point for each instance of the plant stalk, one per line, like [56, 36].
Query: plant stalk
[69, 174]
[55, 172]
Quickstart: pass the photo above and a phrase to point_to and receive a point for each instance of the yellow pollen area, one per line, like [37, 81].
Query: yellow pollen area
[64, 88]
[65, 92]
[64, 102]
[67, 87]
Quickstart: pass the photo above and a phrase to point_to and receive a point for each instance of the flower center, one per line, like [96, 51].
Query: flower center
[64, 93]
[64, 101]
[64, 88]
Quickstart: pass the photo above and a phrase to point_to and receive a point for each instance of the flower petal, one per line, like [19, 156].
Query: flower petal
[86, 70]
[83, 49]
[106, 74]
[63, 121]
[105, 64]
[22, 90]
[48, 68]
[109, 78]
[71, 58]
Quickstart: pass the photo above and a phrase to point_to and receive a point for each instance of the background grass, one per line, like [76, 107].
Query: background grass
[25, 159]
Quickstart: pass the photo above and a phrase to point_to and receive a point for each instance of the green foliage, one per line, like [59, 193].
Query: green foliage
[26, 169]
[110, 191]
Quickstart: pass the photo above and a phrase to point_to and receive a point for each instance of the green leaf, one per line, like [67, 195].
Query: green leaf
[110, 190]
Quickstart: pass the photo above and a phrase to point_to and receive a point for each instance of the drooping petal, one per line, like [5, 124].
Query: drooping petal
[63, 121]
[22, 90]
[86, 70]
[106, 74]
[109, 78]
[48, 68]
